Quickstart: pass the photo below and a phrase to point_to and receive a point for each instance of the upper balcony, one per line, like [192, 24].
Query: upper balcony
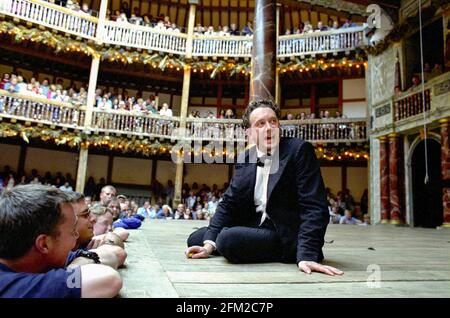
[142, 37]
[413, 108]
[40, 111]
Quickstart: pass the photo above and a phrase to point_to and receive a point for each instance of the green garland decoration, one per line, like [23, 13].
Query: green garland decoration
[74, 139]
[342, 152]
[143, 146]
[161, 61]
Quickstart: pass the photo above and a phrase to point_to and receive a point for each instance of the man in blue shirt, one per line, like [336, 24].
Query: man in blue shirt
[37, 231]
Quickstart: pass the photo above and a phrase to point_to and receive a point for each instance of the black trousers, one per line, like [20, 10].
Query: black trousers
[240, 244]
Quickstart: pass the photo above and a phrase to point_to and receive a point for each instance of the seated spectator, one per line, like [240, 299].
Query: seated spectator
[234, 30]
[366, 221]
[103, 219]
[12, 86]
[415, 81]
[436, 71]
[349, 23]
[348, 218]
[165, 213]
[248, 29]
[5, 79]
[165, 110]
[107, 193]
[88, 201]
[179, 212]
[212, 205]
[66, 187]
[113, 256]
[144, 211]
[37, 231]
[335, 217]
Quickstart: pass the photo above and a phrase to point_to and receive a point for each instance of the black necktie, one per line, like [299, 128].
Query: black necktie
[261, 160]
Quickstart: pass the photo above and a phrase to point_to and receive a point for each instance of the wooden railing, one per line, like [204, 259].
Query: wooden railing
[51, 16]
[340, 40]
[412, 104]
[233, 46]
[149, 38]
[326, 130]
[40, 110]
[215, 129]
[127, 34]
[43, 111]
[134, 123]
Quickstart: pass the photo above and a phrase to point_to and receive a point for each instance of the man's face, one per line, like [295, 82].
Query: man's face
[85, 223]
[115, 207]
[66, 239]
[107, 194]
[180, 207]
[264, 128]
[103, 224]
[146, 204]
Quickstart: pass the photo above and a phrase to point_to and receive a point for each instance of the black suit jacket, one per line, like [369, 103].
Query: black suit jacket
[296, 203]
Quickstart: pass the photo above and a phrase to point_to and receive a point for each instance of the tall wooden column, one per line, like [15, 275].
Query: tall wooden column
[184, 102]
[384, 180]
[394, 166]
[93, 75]
[264, 55]
[277, 70]
[82, 169]
[445, 169]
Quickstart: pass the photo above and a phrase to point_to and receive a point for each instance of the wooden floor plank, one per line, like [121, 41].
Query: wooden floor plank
[413, 262]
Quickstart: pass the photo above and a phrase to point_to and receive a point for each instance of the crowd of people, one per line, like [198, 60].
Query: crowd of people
[429, 72]
[105, 100]
[54, 244]
[196, 202]
[125, 14]
[343, 210]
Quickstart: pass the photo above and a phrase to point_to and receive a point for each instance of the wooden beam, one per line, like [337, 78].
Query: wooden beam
[109, 169]
[154, 167]
[22, 158]
[176, 12]
[344, 178]
[312, 98]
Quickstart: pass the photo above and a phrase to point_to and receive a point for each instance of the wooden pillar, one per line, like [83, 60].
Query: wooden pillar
[264, 51]
[110, 169]
[82, 169]
[101, 21]
[95, 65]
[384, 180]
[445, 169]
[154, 167]
[277, 70]
[184, 103]
[394, 166]
[312, 98]
[344, 177]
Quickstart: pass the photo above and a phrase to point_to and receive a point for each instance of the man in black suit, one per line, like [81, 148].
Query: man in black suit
[275, 209]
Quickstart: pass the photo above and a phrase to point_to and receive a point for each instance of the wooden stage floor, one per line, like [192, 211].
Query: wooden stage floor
[412, 262]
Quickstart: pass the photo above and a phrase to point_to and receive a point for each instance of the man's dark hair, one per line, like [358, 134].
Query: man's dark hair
[257, 104]
[27, 211]
[75, 196]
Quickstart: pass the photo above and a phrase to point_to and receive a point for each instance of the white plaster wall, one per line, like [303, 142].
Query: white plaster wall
[131, 171]
[9, 155]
